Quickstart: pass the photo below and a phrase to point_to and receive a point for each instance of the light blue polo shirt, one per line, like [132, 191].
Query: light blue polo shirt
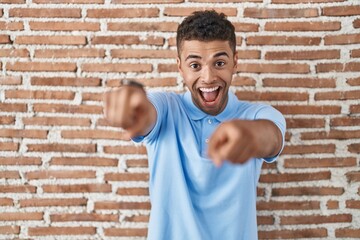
[192, 199]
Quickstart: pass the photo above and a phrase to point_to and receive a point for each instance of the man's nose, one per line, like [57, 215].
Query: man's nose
[207, 74]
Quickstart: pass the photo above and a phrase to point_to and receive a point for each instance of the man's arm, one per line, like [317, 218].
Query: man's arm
[240, 140]
[129, 108]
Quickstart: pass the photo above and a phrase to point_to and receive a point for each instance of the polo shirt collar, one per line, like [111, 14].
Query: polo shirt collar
[196, 114]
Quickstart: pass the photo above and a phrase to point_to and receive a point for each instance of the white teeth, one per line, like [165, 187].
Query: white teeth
[209, 89]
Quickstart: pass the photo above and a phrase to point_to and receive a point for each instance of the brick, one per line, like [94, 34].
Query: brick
[135, 163]
[309, 109]
[307, 191]
[356, 23]
[89, 96]
[116, 67]
[15, 53]
[143, 26]
[333, 134]
[353, 204]
[167, 68]
[77, 188]
[45, 12]
[27, 94]
[318, 219]
[64, 26]
[287, 205]
[249, 54]
[51, 202]
[17, 189]
[137, 218]
[65, 81]
[304, 123]
[9, 229]
[19, 161]
[353, 176]
[13, 1]
[271, 96]
[319, 162]
[63, 108]
[84, 161]
[149, 82]
[308, 149]
[280, 13]
[282, 40]
[347, 233]
[265, 220]
[338, 95]
[107, 205]
[353, 81]
[48, 231]
[9, 146]
[246, 27]
[185, 11]
[342, 10]
[10, 80]
[70, 53]
[57, 121]
[133, 191]
[125, 149]
[123, 13]
[84, 217]
[332, 204]
[23, 133]
[345, 121]
[303, 26]
[354, 108]
[126, 177]
[5, 39]
[58, 174]
[354, 148]
[13, 107]
[303, 55]
[295, 177]
[41, 67]
[18, 216]
[58, 147]
[11, 26]
[273, 68]
[69, 1]
[342, 39]
[5, 120]
[116, 40]
[9, 175]
[243, 81]
[51, 40]
[93, 134]
[128, 232]
[300, 82]
[295, 233]
[355, 53]
[143, 53]
[304, 1]
[145, 1]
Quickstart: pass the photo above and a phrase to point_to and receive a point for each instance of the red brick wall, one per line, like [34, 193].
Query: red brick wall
[63, 171]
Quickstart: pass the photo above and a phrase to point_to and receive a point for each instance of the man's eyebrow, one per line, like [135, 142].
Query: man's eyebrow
[221, 54]
[192, 56]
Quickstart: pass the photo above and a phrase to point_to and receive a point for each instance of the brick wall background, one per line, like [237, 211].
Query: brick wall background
[65, 174]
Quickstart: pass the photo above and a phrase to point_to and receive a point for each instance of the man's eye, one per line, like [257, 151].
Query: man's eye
[194, 65]
[219, 64]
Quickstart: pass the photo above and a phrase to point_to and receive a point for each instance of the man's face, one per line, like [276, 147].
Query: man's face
[207, 69]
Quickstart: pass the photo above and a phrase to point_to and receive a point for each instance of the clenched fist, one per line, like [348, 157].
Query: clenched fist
[239, 140]
[128, 107]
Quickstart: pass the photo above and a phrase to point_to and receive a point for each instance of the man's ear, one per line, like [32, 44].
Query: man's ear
[178, 62]
[235, 62]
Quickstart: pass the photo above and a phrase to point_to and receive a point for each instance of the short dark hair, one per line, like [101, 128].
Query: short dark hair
[206, 26]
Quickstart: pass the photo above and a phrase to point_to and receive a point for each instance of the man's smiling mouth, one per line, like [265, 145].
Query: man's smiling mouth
[209, 94]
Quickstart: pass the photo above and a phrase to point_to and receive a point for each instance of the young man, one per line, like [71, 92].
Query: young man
[205, 147]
